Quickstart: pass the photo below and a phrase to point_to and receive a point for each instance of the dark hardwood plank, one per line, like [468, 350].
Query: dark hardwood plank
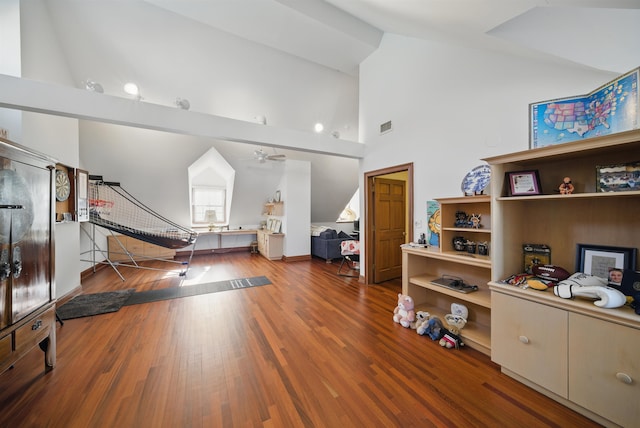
[311, 349]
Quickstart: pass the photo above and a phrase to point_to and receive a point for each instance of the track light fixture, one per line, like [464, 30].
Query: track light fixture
[92, 86]
[182, 103]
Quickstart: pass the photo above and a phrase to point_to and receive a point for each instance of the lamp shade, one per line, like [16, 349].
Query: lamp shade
[211, 216]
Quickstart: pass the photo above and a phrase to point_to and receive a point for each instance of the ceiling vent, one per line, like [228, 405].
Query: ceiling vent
[385, 127]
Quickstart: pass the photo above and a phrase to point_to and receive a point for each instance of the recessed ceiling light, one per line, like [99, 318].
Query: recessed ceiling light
[131, 88]
[318, 127]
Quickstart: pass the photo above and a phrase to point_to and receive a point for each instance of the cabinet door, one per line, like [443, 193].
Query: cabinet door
[604, 368]
[530, 339]
[25, 235]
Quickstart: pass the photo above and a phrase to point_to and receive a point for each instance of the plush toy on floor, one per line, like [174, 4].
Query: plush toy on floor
[422, 318]
[432, 328]
[404, 313]
[451, 337]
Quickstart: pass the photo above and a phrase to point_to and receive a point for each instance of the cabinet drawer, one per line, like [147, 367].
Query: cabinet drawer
[530, 339]
[34, 331]
[5, 347]
[603, 356]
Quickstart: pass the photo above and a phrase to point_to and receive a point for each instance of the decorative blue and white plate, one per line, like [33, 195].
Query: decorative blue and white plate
[476, 180]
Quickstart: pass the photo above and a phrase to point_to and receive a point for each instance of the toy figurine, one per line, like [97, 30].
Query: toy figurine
[566, 188]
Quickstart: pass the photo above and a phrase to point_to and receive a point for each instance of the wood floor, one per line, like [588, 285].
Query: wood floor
[312, 349]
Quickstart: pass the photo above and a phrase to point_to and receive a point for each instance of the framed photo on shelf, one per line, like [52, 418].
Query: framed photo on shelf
[523, 183]
[604, 261]
[618, 178]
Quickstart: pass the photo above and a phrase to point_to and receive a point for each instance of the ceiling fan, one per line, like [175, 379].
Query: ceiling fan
[263, 156]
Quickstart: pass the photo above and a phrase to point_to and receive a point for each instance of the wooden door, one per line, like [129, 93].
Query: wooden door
[389, 228]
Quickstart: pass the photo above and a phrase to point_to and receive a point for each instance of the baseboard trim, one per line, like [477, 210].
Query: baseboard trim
[296, 258]
[213, 251]
[88, 272]
[68, 296]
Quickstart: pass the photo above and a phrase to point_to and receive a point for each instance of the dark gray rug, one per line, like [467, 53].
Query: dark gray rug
[194, 290]
[86, 305]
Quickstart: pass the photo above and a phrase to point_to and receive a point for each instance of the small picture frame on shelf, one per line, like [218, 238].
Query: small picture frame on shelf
[523, 183]
[600, 260]
[277, 196]
[618, 178]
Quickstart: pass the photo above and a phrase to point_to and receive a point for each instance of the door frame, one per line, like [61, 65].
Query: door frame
[369, 248]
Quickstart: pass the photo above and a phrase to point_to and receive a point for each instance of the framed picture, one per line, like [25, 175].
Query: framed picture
[523, 183]
[82, 186]
[604, 261]
[277, 197]
[618, 178]
[612, 108]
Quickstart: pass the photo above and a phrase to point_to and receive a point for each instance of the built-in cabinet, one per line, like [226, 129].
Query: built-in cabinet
[581, 355]
[270, 245]
[27, 306]
[421, 266]
[270, 239]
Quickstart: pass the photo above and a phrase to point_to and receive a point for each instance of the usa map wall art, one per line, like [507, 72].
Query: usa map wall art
[610, 109]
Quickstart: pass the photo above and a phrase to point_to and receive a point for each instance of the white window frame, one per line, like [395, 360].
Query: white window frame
[198, 210]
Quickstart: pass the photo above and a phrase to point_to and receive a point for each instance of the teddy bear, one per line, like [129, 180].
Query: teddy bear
[451, 337]
[422, 318]
[404, 313]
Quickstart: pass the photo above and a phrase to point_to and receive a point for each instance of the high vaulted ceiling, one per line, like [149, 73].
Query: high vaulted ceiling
[341, 33]
[175, 44]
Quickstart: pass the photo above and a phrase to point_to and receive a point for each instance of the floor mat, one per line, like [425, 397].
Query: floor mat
[194, 290]
[86, 305]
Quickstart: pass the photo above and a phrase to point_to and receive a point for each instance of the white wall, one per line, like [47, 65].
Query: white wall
[452, 106]
[10, 62]
[42, 59]
[295, 188]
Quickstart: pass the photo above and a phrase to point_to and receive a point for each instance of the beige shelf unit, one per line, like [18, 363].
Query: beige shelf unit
[420, 266]
[274, 209]
[582, 356]
[270, 245]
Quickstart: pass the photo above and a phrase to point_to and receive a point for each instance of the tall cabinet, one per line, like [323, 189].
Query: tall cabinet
[421, 266]
[581, 355]
[27, 311]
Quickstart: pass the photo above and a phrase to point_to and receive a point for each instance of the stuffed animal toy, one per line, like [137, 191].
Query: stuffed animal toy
[566, 188]
[451, 337]
[404, 313]
[432, 328]
[420, 324]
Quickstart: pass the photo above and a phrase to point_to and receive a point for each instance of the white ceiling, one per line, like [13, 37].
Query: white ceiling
[341, 33]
